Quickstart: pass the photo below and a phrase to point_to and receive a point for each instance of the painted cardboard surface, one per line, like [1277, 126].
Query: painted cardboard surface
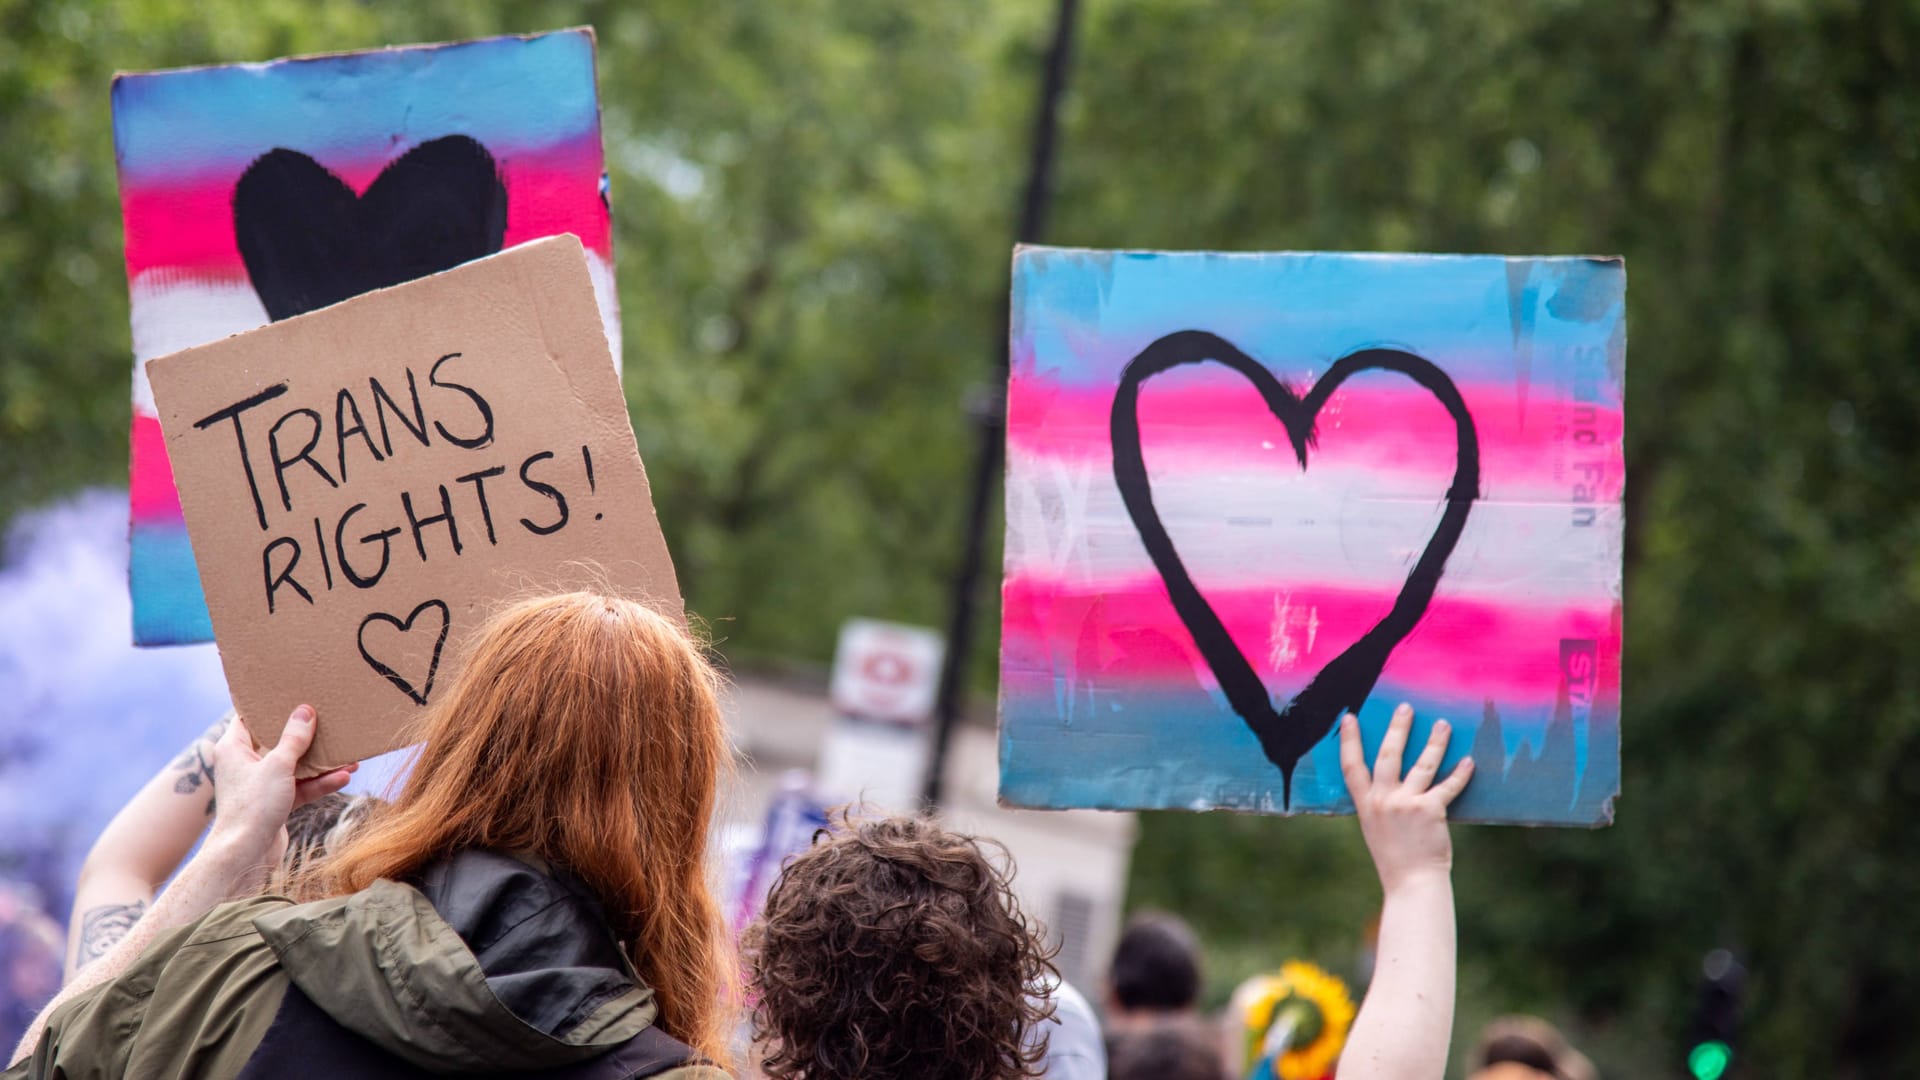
[366, 483]
[251, 192]
[1246, 492]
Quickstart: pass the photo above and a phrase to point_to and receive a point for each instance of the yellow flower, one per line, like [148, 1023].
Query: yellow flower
[1302, 1013]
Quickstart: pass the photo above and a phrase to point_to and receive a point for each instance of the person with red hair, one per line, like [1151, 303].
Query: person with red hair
[535, 898]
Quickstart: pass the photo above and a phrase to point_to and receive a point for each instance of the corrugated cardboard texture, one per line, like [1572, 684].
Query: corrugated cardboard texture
[1247, 492]
[365, 483]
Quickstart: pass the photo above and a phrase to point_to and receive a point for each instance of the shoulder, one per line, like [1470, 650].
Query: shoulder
[173, 986]
[1075, 1048]
[695, 1072]
[1071, 1005]
[232, 920]
[226, 929]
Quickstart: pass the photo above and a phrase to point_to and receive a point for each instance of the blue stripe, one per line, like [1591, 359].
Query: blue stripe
[509, 92]
[168, 608]
[1130, 750]
[1083, 313]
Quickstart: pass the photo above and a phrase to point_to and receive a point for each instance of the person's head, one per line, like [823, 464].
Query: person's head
[315, 828]
[894, 948]
[1173, 1048]
[1528, 1048]
[1156, 968]
[585, 730]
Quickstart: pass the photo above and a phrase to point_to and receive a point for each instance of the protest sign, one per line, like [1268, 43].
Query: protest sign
[253, 192]
[366, 483]
[1248, 493]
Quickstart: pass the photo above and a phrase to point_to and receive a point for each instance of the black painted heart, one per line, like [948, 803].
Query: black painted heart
[389, 654]
[309, 241]
[1343, 684]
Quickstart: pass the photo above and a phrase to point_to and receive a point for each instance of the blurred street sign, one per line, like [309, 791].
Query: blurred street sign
[875, 765]
[887, 671]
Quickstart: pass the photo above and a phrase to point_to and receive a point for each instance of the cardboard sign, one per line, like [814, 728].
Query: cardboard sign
[254, 192]
[365, 484]
[1248, 493]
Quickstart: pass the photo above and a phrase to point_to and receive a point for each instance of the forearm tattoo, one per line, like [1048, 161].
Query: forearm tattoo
[196, 767]
[103, 927]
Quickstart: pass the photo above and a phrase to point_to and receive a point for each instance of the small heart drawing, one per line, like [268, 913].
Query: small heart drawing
[420, 695]
[308, 241]
[1343, 684]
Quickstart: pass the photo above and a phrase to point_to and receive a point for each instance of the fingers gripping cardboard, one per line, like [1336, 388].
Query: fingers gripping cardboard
[365, 483]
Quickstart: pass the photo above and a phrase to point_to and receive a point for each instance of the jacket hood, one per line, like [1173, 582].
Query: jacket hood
[489, 963]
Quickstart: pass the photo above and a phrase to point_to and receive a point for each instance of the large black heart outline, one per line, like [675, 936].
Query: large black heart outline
[308, 241]
[425, 690]
[1344, 683]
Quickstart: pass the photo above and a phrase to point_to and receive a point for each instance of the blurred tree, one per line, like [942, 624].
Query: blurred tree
[65, 357]
[811, 205]
[1759, 166]
[813, 216]
[812, 201]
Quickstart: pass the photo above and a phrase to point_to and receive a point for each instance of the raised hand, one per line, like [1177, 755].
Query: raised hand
[257, 791]
[1406, 1021]
[1404, 819]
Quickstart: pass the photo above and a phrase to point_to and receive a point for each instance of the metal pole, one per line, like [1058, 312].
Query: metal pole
[989, 408]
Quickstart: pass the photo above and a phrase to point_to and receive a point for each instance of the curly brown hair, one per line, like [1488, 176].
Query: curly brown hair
[893, 948]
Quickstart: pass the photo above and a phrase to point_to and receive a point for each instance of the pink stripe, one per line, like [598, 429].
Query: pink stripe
[182, 227]
[1212, 423]
[1128, 634]
[547, 201]
[151, 489]
[189, 224]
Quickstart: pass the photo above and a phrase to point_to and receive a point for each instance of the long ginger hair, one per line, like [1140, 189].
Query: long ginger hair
[584, 729]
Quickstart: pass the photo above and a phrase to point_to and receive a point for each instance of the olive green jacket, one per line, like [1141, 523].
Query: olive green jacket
[488, 966]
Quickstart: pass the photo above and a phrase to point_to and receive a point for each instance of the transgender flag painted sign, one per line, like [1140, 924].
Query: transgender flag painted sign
[253, 192]
[1246, 493]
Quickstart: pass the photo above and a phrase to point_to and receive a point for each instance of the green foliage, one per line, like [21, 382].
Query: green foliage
[812, 201]
[1231, 873]
[812, 231]
[812, 204]
[1759, 166]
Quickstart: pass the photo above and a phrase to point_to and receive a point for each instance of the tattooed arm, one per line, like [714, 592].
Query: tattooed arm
[140, 849]
[249, 837]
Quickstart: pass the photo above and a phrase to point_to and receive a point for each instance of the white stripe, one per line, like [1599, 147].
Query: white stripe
[171, 313]
[1257, 528]
[608, 297]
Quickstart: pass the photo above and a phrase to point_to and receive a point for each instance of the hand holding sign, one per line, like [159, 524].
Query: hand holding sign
[363, 482]
[259, 789]
[1404, 818]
